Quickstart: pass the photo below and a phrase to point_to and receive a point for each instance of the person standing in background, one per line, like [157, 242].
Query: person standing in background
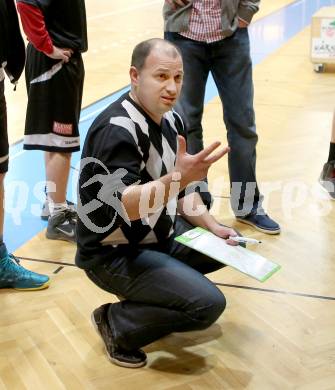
[12, 57]
[213, 37]
[57, 34]
[327, 176]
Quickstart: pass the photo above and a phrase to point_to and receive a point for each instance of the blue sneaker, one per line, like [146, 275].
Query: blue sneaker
[13, 275]
[261, 222]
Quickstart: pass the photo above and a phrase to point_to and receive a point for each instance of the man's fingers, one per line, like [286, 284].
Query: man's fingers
[232, 242]
[67, 53]
[172, 4]
[177, 3]
[182, 145]
[65, 58]
[207, 151]
[212, 159]
[232, 233]
[205, 155]
[181, 3]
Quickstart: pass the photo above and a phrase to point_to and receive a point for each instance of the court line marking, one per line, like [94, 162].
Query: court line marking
[58, 270]
[17, 154]
[268, 290]
[46, 261]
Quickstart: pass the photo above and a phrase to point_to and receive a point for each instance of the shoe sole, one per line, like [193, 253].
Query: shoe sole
[273, 232]
[44, 286]
[51, 236]
[44, 217]
[113, 360]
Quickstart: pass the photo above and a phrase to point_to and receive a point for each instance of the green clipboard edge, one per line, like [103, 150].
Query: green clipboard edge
[185, 240]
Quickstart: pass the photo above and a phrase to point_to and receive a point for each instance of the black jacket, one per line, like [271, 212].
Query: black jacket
[12, 49]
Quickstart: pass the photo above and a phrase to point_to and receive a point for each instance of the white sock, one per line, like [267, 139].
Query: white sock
[56, 208]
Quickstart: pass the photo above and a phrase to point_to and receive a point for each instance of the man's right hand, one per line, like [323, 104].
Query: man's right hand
[61, 54]
[195, 167]
[177, 3]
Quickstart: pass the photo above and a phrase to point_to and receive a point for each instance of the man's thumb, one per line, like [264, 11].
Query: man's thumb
[181, 145]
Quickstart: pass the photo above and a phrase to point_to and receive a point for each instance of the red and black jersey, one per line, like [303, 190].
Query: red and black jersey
[65, 22]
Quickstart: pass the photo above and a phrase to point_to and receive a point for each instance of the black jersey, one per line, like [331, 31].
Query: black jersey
[124, 146]
[65, 22]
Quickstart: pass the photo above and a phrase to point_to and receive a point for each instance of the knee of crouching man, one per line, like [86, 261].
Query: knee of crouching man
[210, 311]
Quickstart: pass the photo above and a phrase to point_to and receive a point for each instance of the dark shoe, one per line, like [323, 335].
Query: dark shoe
[116, 354]
[13, 275]
[261, 222]
[62, 226]
[327, 178]
[45, 213]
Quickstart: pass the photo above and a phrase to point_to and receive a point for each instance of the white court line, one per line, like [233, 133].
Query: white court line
[97, 111]
[17, 154]
[124, 10]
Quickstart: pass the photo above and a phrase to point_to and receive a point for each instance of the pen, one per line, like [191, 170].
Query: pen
[245, 240]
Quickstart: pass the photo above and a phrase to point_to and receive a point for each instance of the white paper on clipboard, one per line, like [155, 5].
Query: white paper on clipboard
[242, 259]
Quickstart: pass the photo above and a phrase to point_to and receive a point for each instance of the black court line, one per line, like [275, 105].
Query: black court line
[58, 270]
[47, 261]
[267, 290]
[277, 291]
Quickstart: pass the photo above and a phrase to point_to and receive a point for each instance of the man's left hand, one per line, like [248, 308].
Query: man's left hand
[225, 232]
[242, 23]
[177, 3]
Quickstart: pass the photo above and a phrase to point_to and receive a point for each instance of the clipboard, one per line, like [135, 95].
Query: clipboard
[242, 259]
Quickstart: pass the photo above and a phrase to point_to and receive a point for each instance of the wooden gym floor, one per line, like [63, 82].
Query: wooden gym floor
[277, 335]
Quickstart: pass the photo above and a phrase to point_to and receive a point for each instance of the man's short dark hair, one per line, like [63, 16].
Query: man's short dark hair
[143, 49]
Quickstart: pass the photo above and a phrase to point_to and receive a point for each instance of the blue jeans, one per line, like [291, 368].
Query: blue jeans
[165, 290]
[230, 64]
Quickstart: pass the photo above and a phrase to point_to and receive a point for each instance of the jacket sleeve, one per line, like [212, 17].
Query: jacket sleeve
[15, 55]
[247, 9]
[34, 26]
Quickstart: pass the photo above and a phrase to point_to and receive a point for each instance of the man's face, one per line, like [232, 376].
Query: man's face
[157, 85]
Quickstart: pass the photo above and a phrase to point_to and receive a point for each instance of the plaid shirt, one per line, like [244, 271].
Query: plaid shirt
[205, 22]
